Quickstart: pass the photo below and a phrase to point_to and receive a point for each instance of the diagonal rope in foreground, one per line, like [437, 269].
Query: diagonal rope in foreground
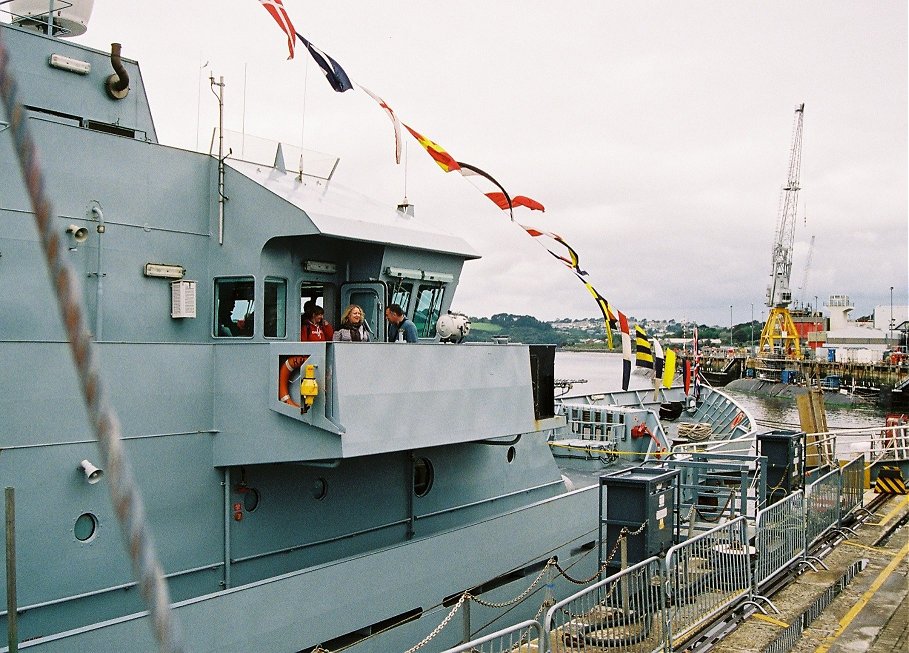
[125, 496]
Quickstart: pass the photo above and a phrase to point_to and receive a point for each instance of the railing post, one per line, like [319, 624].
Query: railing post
[664, 604]
[12, 627]
[623, 582]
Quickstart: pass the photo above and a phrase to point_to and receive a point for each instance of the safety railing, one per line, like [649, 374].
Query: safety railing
[892, 442]
[719, 486]
[852, 477]
[589, 422]
[623, 613]
[822, 506]
[779, 537]
[524, 637]
[705, 576]
[659, 604]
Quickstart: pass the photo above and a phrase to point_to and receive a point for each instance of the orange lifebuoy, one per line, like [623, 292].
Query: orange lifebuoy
[738, 419]
[292, 364]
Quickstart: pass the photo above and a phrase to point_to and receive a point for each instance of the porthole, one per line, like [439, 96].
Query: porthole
[251, 499]
[422, 476]
[319, 489]
[510, 455]
[85, 527]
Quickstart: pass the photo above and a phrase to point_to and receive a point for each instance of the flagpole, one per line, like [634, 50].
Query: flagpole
[243, 117]
[303, 111]
[405, 171]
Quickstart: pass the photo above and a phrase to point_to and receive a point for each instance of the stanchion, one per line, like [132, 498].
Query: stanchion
[12, 627]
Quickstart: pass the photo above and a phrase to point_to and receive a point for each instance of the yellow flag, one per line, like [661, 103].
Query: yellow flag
[669, 369]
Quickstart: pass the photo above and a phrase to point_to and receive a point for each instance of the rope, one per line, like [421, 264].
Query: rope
[125, 496]
[695, 432]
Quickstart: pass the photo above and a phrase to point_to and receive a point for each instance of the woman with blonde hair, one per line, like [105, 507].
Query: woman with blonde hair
[353, 326]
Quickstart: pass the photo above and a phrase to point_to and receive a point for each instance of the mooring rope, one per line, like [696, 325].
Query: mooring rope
[124, 492]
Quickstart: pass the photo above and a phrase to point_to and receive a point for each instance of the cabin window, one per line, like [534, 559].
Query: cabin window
[400, 295]
[275, 308]
[429, 305]
[234, 303]
[85, 527]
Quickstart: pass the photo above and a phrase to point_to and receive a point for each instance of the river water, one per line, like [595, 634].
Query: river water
[603, 371]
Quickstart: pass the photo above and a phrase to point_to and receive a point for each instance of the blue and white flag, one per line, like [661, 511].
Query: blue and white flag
[333, 72]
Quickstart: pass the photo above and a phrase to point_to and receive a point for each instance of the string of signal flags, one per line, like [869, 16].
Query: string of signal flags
[647, 358]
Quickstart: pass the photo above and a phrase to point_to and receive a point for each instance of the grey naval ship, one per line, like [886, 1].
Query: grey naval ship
[350, 515]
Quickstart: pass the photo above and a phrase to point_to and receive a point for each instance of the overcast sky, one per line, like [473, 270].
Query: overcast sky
[656, 134]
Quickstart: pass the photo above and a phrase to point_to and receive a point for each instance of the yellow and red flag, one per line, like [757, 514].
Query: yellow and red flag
[436, 151]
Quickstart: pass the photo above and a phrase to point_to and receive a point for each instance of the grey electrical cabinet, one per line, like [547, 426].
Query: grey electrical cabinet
[785, 453]
[643, 501]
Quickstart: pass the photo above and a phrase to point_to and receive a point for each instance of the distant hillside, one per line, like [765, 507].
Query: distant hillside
[590, 333]
[518, 328]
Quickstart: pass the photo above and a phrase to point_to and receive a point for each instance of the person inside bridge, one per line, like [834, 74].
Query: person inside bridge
[401, 329]
[353, 327]
[314, 326]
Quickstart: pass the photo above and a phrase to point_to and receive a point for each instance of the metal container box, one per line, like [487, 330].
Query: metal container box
[785, 451]
[643, 501]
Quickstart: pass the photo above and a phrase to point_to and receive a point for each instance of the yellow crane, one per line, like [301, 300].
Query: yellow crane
[779, 336]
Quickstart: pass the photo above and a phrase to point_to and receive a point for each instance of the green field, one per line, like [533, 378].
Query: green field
[485, 327]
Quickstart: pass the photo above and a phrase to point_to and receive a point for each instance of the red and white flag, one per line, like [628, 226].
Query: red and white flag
[391, 116]
[277, 11]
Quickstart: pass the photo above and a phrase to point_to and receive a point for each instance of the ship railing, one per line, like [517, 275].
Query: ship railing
[591, 422]
[718, 487]
[876, 444]
[624, 612]
[743, 445]
[520, 638]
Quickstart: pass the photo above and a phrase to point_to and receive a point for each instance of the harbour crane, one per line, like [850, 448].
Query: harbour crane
[779, 335]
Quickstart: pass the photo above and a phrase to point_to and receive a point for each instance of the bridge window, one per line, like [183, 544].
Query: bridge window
[234, 303]
[400, 295]
[429, 305]
[275, 308]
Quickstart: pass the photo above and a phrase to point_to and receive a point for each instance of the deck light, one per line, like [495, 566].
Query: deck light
[325, 267]
[67, 63]
[164, 271]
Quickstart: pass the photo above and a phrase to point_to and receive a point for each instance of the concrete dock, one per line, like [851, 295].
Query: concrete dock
[869, 613]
